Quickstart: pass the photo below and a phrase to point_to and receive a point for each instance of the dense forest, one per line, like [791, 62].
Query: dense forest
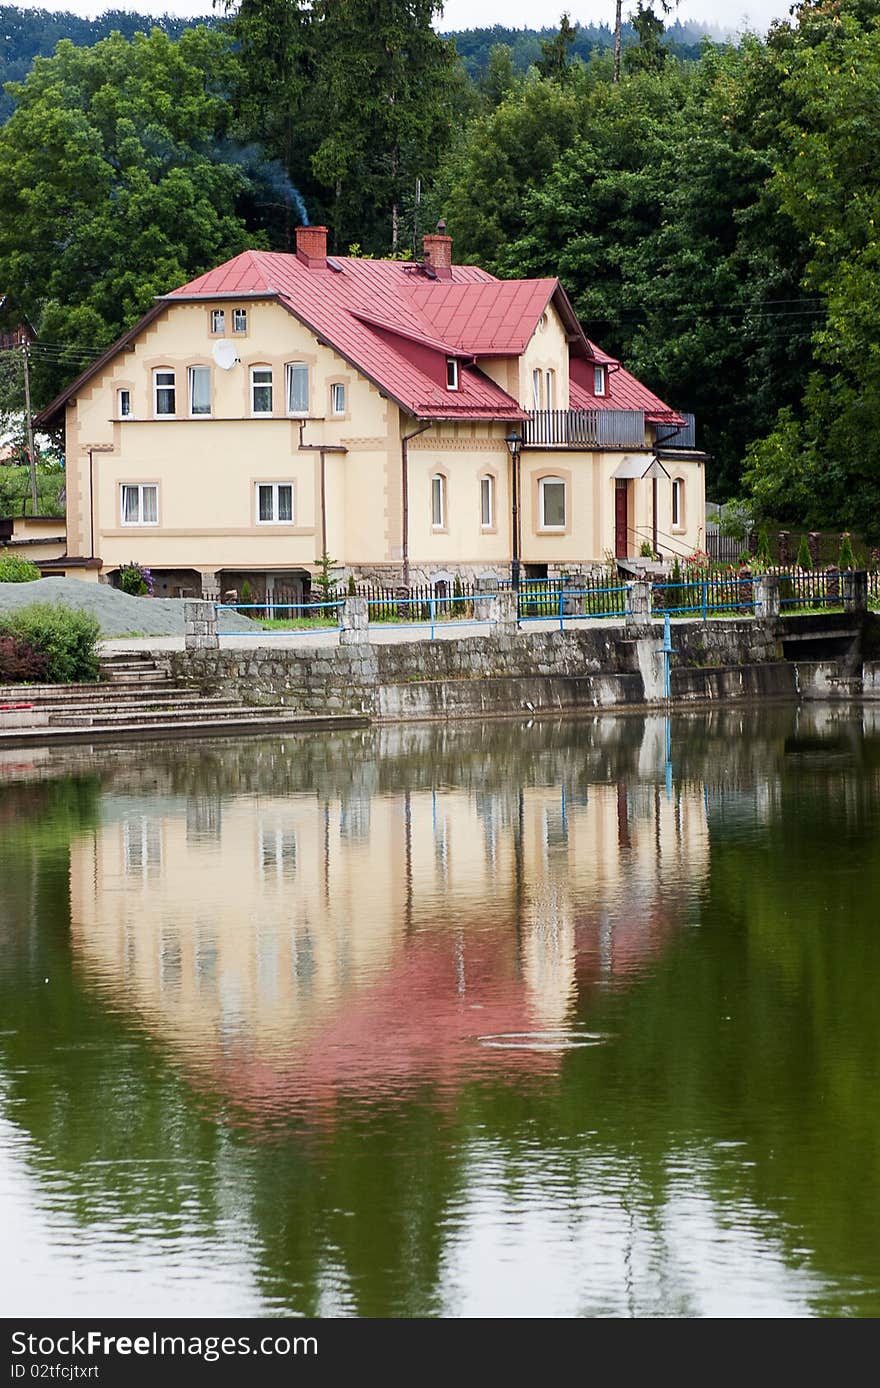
[710, 207]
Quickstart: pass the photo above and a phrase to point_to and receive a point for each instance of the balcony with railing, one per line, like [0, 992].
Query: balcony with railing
[602, 429]
[584, 429]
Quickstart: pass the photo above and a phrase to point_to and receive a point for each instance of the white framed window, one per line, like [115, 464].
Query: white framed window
[599, 380]
[536, 389]
[261, 390]
[239, 320]
[218, 321]
[487, 501]
[139, 503]
[451, 373]
[123, 403]
[165, 391]
[337, 398]
[678, 502]
[275, 503]
[550, 389]
[552, 503]
[200, 390]
[297, 387]
[438, 501]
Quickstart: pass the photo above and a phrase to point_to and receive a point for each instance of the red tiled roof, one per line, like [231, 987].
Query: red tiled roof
[344, 306]
[623, 392]
[496, 318]
[397, 327]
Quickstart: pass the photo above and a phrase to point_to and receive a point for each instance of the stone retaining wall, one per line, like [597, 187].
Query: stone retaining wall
[483, 675]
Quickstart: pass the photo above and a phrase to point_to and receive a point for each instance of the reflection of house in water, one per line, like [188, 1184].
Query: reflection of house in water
[292, 946]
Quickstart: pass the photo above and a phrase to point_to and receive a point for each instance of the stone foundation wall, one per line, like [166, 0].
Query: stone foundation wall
[483, 675]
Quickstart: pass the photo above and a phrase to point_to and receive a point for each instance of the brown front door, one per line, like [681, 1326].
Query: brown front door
[621, 498]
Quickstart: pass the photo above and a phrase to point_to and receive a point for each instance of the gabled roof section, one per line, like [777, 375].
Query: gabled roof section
[623, 392]
[368, 312]
[396, 325]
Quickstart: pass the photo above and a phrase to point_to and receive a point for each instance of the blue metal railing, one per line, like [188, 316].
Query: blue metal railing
[540, 603]
[704, 596]
[440, 612]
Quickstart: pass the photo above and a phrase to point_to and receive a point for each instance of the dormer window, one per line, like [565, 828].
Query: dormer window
[218, 322]
[451, 373]
[599, 380]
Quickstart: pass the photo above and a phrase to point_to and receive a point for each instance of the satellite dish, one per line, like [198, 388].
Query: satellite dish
[225, 354]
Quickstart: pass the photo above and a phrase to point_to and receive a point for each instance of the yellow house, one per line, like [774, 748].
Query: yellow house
[411, 420]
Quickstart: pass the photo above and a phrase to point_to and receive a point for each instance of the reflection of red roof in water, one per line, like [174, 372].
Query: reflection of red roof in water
[422, 1022]
[622, 947]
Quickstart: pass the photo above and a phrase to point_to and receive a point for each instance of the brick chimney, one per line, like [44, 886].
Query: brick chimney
[311, 246]
[438, 252]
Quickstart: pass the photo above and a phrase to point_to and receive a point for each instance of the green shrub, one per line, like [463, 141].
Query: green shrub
[804, 557]
[67, 638]
[846, 559]
[135, 580]
[352, 587]
[763, 558]
[16, 569]
[457, 597]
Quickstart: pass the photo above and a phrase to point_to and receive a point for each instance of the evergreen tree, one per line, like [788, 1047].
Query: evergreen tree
[384, 87]
[804, 558]
[555, 56]
[649, 54]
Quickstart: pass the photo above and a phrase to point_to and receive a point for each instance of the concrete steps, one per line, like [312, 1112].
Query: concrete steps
[148, 712]
[138, 700]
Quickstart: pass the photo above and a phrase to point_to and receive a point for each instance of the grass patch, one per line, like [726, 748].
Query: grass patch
[294, 623]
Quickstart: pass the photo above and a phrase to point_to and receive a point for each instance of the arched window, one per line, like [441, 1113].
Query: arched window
[678, 503]
[552, 503]
[297, 387]
[438, 501]
[487, 501]
[199, 390]
[261, 390]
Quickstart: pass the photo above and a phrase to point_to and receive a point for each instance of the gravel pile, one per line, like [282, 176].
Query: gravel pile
[118, 613]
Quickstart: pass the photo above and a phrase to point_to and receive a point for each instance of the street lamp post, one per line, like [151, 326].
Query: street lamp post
[514, 443]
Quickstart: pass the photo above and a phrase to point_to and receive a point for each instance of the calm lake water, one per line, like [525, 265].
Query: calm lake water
[556, 1019]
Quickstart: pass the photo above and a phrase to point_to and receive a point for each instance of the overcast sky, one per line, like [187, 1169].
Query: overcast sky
[470, 14]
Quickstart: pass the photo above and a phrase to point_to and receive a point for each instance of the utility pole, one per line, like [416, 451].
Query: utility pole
[32, 460]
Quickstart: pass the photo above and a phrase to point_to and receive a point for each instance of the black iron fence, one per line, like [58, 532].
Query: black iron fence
[443, 601]
[800, 588]
[724, 549]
